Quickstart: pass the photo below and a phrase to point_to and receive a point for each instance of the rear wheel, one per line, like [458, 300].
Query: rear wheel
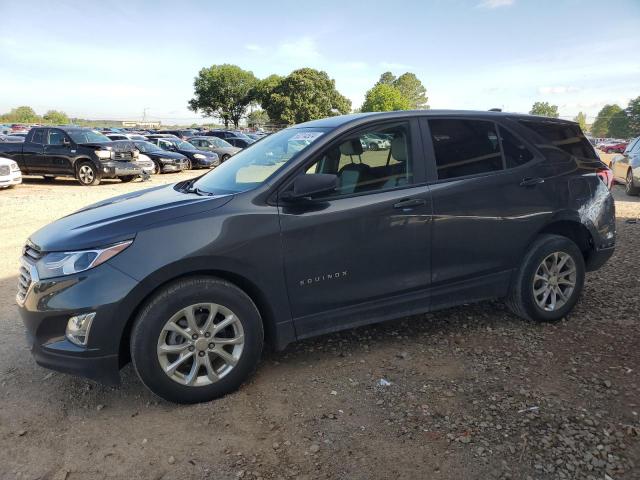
[156, 168]
[549, 281]
[197, 339]
[629, 188]
[189, 164]
[87, 174]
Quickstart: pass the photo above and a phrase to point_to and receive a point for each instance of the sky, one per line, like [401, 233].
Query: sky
[116, 59]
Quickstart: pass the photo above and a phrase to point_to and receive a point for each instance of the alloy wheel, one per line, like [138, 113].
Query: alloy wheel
[200, 344]
[554, 281]
[86, 175]
[629, 185]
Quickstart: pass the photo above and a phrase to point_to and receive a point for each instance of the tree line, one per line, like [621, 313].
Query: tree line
[25, 114]
[227, 92]
[612, 121]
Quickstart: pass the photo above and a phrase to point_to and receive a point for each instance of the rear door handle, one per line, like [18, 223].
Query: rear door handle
[531, 181]
[410, 203]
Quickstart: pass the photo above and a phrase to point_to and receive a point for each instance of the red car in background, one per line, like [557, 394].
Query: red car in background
[19, 127]
[613, 147]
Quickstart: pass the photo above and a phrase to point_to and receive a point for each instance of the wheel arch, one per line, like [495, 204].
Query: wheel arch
[574, 230]
[254, 292]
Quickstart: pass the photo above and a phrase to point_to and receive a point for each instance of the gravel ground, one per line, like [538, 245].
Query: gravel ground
[466, 393]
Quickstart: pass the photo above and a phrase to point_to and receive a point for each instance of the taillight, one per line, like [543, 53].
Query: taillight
[606, 175]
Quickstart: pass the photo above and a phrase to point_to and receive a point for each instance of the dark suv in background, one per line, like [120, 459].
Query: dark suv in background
[306, 233]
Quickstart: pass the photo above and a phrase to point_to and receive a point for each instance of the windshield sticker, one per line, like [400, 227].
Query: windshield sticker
[308, 136]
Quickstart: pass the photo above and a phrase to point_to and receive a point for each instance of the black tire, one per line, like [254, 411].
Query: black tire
[521, 300]
[49, 178]
[629, 188]
[127, 178]
[189, 165]
[225, 158]
[157, 169]
[171, 299]
[373, 146]
[83, 176]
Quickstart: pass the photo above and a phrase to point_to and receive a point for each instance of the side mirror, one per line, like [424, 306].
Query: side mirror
[66, 142]
[306, 186]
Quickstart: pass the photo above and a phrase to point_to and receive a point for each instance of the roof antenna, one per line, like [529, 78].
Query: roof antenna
[495, 109]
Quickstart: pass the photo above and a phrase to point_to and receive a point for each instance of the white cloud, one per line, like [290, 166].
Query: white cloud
[252, 47]
[304, 50]
[495, 3]
[557, 90]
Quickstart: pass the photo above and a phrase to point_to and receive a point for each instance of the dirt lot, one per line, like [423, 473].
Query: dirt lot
[473, 392]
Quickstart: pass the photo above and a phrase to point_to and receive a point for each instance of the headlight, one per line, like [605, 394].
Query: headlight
[14, 167]
[103, 153]
[200, 156]
[166, 160]
[56, 264]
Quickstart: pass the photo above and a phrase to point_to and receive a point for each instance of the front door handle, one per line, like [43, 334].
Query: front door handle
[531, 181]
[410, 203]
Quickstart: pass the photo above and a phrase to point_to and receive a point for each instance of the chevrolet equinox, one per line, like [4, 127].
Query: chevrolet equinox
[309, 231]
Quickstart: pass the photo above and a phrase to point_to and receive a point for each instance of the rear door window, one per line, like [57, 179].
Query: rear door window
[38, 137]
[515, 151]
[465, 147]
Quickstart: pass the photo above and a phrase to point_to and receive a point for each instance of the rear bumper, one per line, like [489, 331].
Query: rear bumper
[598, 258]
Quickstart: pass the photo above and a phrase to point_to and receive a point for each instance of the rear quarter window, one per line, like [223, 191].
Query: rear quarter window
[565, 136]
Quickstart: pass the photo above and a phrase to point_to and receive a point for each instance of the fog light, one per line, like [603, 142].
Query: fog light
[78, 328]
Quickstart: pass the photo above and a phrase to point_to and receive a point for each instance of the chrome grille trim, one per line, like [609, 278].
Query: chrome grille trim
[27, 272]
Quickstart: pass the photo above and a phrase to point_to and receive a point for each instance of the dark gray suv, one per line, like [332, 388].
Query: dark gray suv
[308, 232]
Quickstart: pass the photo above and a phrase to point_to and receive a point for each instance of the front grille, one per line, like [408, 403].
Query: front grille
[4, 170]
[27, 265]
[124, 156]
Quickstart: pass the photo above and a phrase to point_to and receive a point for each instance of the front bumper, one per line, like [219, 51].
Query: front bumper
[47, 307]
[115, 169]
[205, 162]
[14, 178]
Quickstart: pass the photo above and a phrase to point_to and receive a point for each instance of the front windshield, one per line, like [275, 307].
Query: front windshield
[88, 136]
[184, 146]
[146, 147]
[254, 165]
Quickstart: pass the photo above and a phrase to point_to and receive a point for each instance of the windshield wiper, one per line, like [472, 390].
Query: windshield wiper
[189, 188]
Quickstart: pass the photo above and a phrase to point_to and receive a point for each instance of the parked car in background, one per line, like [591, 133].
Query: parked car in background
[11, 138]
[222, 148]
[195, 158]
[421, 226]
[163, 161]
[83, 153]
[19, 128]
[126, 136]
[10, 173]
[375, 142]
[235, 138]
[181, 134]
[22, 135]
[614, 147]
[626, 167]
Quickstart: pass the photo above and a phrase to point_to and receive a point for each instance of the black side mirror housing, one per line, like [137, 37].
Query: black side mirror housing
[66, 142]
[306, 186]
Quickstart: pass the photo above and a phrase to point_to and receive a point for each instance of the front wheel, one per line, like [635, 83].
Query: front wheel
[196, 340]
[87, 174]
[224, 158]
[549, 280]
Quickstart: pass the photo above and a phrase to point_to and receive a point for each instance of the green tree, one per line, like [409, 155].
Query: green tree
[619, 125]
[54, 117]
[413, 90]
[387, 78]
[633, 111]
[544, 109]
[257, 118]
[600, 127]
[23, 114]
[265, 87]
[303, 95]
[224, 91]
[385, 98]
[581, 118]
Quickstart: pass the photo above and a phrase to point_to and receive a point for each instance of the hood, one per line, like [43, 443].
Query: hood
[202, 152]
[120, 218]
